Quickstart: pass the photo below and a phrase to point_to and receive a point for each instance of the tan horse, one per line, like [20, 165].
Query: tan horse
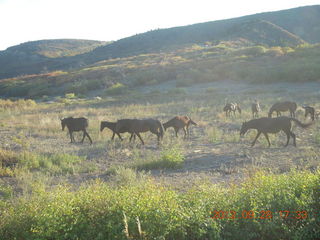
[180, 122]
[267, 125]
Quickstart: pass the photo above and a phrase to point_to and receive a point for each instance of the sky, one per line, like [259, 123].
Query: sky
[108, 20]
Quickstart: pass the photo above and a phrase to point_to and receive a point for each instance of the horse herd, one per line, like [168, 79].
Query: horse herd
[132, 126]
[263, 125]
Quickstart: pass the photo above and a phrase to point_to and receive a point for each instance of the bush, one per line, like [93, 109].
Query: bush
[116, 89]
[98, 211]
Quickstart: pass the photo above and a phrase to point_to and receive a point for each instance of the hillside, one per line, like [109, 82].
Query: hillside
[282, 28]
[41, 56]
[55, 48]
[304, 27]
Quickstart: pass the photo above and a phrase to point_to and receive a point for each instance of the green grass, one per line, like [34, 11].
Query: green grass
[169, 158]
[98, 211]
[56, 164]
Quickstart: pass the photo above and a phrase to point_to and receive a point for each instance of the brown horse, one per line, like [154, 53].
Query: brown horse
[112, 127]
[231, 107]
[255, 108]
[136, 126]
[179, 122]
[267, 125]
[76, 125]
[283, 107]
[309, 111]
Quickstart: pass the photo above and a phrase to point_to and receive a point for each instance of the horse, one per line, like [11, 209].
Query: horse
[283, 107]
[112, 127]
[309, 111]
[267, 125]
[255, 108]
[76, 125]
[136, 126]
[179, 122]
[231, 107]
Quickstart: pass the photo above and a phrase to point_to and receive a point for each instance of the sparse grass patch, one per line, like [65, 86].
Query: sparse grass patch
[214, 134]
[317, 138]
[171, 157]
[56, 164]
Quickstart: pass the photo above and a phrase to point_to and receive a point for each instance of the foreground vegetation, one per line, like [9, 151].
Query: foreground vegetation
[143, 209]
[51, 189]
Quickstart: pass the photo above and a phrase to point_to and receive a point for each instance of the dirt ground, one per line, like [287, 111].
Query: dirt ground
[214, 152]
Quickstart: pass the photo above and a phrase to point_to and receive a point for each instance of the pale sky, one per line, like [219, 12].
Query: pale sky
[29, 20]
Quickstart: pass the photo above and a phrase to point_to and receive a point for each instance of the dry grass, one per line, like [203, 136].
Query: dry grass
[214, 150]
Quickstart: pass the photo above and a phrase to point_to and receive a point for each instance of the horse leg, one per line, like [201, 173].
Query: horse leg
[288, 138]
[88, 137]
[71, 136]
[138, 134]
[176, 130]
[84, 134]
[294, 138]
[266, 135]
[131, 137]
[188, 132]
[185, 132]
[113, 135]
[120, 136]
[254, 141]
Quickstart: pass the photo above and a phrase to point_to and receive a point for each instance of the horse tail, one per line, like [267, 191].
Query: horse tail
[192, 122]
[300, 124]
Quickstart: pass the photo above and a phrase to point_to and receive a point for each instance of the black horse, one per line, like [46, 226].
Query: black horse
[76, 125]
[283, 107]
[137, 126]
[112, 127]
[309, 111]
[267, 125]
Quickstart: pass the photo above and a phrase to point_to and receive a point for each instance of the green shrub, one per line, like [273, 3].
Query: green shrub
[98, 211]
[69, 95]
[116, 89]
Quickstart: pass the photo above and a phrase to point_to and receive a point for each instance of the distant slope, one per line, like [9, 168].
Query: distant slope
[261, 32]
[291, 27]
[282, 28]
[55, 48]
[41, 56]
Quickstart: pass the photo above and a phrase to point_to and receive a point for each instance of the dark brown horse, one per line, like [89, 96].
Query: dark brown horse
[255, 108]
[76, 125]
[231, 107]
[267, 125]
[283, 107]
[179, 122]
[136, 126]
[112, 127]
[309, 111]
